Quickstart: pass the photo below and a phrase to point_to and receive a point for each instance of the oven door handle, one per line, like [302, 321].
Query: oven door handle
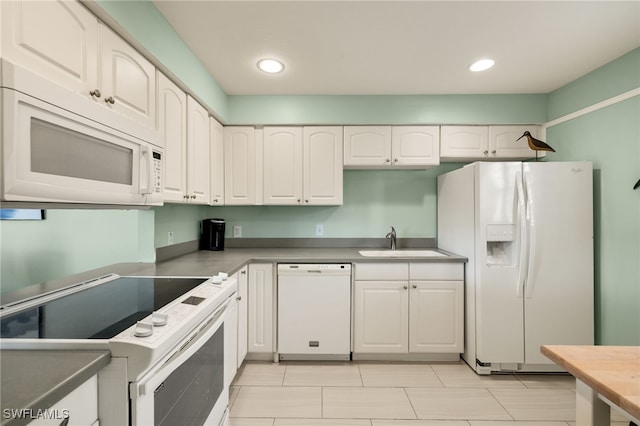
[152, 379]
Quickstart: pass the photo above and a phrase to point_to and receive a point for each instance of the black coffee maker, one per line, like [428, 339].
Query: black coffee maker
[212, 234]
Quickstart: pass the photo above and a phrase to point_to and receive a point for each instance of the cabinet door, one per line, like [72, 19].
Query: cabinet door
[260, 328]
[243, 298]
[380, 319]
[172, 125]
[56, 39]
[239, 165]
[322, 151]
[436, 316]
[415, 145]
[198, 154]
[216, 131]
[470, 142]
[367, 146]
[127, 79]
[502, 142]
[282, 176]
[81, 404]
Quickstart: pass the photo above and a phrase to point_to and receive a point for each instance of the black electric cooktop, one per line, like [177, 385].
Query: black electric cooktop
[99, 312]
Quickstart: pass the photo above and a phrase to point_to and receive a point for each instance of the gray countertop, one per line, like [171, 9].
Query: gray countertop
[34, 379]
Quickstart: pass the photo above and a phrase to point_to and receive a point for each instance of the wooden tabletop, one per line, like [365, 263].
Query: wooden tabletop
[612, 371]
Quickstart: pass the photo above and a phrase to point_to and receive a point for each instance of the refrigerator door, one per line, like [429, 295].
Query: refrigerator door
[499, 297]
[559, 280]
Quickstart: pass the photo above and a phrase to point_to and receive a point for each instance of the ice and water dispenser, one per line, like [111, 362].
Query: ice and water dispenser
[501, 241]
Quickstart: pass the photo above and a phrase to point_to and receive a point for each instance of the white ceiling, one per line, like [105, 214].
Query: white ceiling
[403, 47]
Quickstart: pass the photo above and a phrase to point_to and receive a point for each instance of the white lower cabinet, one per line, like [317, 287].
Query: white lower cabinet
[260, 308]
[81, 406]
[408, 308]
[230, 342]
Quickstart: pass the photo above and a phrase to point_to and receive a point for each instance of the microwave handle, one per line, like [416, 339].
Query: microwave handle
[146, 159]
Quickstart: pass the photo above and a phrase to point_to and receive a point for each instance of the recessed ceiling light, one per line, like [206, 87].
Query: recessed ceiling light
[271, 66]
[482, 65]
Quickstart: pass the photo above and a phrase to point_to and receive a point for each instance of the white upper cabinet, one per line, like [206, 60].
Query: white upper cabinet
[216, 131]
[56, 39]
[64, 42]
[391, 146]
[415, 145]
[367, 146]
[303, 165]
[470, 143]
[172, 125]
[322, 168]
[282, 178]
[239, 165]
[198, 179]
[127, 79]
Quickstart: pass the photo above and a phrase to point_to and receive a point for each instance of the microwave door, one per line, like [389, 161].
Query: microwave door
[59, 156]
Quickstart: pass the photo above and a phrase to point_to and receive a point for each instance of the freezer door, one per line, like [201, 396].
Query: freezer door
[559, 283]
[499, 303]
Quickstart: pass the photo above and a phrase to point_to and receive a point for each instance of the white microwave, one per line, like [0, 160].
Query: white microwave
[61, 147]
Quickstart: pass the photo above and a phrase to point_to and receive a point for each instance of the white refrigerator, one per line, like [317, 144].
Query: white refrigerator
[527, 230]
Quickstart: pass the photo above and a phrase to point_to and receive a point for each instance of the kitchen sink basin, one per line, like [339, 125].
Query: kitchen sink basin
[402, 253]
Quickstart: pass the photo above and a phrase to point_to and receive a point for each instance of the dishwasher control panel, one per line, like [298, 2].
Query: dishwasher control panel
[305, 268]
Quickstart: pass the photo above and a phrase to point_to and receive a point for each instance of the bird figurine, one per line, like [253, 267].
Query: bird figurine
[535, 144]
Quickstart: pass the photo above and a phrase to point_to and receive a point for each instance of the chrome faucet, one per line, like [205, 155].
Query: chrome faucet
[392, 236]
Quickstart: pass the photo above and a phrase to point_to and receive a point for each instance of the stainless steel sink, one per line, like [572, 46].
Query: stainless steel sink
[402, 253]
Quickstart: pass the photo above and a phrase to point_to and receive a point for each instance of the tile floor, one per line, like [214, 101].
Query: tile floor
[397, 394]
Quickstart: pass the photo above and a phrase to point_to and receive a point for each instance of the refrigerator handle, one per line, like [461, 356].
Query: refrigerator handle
[531, 243]
[523, 240]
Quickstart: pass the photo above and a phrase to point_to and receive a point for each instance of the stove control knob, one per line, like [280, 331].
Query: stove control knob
[159, 319]
[143, 329]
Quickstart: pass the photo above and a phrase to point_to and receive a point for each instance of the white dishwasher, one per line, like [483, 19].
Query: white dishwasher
[314, 311]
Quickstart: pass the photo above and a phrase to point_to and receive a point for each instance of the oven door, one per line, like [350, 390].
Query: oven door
[51, 154]
[187, 387]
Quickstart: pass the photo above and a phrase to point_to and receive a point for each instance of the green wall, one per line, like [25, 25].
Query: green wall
[610, 138]
[72, 241]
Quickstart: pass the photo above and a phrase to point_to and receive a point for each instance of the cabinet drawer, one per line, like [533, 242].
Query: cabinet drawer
[436, 271]
[381, 271]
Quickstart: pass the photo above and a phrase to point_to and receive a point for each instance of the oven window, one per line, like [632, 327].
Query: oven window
[188, 395]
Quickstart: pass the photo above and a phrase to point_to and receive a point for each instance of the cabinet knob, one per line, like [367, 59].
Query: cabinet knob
[388, 160]
[110, 100]
[243, 272]
[298, 200]
[65, 421]
[96, 93]
[395, 160]
[414, 286]
[193, 196]
[493, 152]
[306, 201]
[239, 298]
[486, 152]
[186, 197]
[215, 200]
[405, 287]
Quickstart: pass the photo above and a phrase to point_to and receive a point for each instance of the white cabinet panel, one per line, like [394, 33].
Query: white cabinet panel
[415, 145]
[505, 144]
[56, 39]
[470, 143]
[464, 142]
[243, 299]
[81, 404]
[322, 165]
[381, 271]
[261, 319]
[127, 79]
[172, 125]
[367, 145]
[282, 177]
[216, 131]
[436, 316]
[381, 309]
[198, 178]
[239, 165]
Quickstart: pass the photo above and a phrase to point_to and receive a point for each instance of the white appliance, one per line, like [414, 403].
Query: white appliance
[166, 336]
[314, 311]
[61, 147]
[527, 229]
